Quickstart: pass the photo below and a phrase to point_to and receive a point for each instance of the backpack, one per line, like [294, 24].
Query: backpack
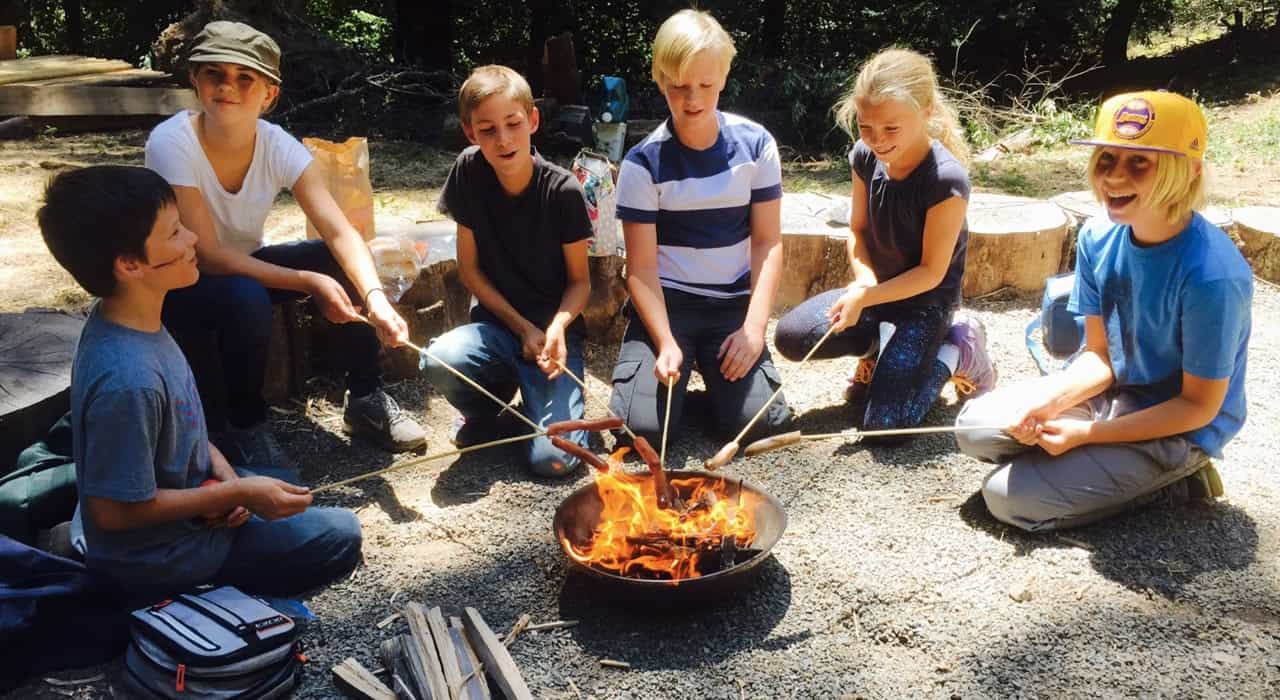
[218, 644]
[1061, 331]
[40, 491]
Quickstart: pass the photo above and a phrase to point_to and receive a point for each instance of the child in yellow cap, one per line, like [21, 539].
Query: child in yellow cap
[1159, 387]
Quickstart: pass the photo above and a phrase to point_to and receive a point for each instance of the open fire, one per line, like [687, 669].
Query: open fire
[705, 528]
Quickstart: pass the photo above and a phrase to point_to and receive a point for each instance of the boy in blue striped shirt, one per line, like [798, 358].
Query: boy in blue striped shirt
[700, 202]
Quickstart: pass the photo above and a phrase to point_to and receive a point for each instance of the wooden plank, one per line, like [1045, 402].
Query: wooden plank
[497, 660]
[393, 659]
[132, 76]
[425, 648]
[444, 649]
[44, 67]
[357, 681]
[76, 100]
[477, 687]
[8, 42]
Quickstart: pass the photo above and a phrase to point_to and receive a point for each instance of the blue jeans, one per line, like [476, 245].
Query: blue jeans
[490, 354]
[238, 310]
[292, 555]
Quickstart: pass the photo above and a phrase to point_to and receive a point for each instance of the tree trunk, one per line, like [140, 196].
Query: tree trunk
[422, 34]
[1115, 43]
[775, 28]
[539, 30]
[75, 26]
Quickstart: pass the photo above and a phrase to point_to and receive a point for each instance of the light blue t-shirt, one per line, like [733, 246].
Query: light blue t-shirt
[1182, 305]
[138, 426]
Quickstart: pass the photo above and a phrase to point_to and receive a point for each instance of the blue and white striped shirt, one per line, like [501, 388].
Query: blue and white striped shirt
[701, 201]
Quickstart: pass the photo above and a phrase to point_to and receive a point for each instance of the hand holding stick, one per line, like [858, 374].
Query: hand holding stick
[586, 392]
[730, 448]
[778, 442]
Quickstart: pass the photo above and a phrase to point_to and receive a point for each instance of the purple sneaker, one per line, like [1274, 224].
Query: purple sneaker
[974, 375]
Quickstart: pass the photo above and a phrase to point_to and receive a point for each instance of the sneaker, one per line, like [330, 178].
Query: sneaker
[378, 418]
[465, 432]
[860, 382]
[250, 447]
[974, 375]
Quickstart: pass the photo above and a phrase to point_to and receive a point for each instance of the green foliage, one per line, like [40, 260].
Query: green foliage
[363, 26]
[1059, 125]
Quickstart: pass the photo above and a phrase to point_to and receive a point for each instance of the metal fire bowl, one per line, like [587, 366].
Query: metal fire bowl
[577, 517]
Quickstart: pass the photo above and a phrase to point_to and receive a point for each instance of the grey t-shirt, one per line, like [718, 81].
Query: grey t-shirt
[138, 426]
[896, 212]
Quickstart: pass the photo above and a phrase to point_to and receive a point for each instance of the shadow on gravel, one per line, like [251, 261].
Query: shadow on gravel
[679, 633]
[1159, 548]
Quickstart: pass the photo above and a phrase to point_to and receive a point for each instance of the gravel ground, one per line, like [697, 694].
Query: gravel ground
[891, 580]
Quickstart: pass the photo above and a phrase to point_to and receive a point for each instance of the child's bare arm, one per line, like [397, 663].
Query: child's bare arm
[739, 352]
[477, 282]
[647, 298]
[942, 226]
[264, 496]
[576, 293]
[859, 258]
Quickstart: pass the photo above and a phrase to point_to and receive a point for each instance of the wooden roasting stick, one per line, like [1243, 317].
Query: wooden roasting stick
[778, 442]
[586, 392]
[730, 449]
[428, 458]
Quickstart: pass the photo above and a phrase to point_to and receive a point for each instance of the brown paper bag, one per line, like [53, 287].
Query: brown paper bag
[344, 168]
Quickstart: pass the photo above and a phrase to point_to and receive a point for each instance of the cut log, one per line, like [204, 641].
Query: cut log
[1258, 229]
[8, 42]
[423, 651]
[1014, 242]
[36, 352]
[45, 67]
[497, 660]
[815, 253]
[476, 687]
[603, 314]
[356, 680]
[82, 100]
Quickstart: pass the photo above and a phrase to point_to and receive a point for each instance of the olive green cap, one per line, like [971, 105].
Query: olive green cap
[238, 43]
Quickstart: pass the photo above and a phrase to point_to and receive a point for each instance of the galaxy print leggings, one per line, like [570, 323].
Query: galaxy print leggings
[908, 376]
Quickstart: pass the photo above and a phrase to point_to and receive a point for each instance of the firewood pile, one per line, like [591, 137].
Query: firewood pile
[442, 658]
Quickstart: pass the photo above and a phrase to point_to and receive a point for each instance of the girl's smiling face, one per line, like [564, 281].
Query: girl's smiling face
[895, 131]
[232, 90]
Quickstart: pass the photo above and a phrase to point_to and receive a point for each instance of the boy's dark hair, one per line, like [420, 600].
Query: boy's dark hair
[93, 215]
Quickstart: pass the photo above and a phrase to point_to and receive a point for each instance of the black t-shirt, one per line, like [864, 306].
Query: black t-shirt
[519, 239]
[896, 212]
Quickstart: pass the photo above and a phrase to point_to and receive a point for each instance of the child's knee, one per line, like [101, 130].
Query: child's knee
[1019, 508]
[343, 532]
[545, 459]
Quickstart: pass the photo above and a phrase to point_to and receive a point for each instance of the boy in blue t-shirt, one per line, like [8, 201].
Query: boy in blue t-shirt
[161, 508]
[700, 202]
[1159, 388]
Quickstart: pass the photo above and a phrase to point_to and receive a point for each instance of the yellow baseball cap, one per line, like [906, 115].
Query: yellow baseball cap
[1151, 121]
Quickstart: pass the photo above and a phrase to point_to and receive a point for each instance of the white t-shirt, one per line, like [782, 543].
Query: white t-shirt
[173, 150]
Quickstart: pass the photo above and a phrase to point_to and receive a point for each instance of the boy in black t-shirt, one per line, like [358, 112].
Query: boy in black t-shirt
[522, 251]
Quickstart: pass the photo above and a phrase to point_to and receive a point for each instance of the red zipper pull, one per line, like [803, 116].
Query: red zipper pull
[180, 683]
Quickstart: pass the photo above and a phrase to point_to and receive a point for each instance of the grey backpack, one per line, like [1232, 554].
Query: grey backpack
[217, 644]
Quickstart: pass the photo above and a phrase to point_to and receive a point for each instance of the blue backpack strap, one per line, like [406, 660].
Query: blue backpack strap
[1035, 347]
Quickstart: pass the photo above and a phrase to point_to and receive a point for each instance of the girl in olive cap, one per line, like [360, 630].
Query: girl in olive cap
[226, 166]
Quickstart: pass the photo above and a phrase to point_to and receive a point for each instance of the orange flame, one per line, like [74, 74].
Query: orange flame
[636, 538]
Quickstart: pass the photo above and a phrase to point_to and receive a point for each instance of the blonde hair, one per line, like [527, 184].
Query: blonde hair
[905, 76]
[683, 36]
[1179, 188]
[487, 81]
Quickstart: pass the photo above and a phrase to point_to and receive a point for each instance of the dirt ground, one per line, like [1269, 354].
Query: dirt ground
[890, 581]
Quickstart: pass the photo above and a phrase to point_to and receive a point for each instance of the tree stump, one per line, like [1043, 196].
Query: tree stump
[36, 351]
[1013, 242]
[603, 315]
[815, 251]
[1258, 229]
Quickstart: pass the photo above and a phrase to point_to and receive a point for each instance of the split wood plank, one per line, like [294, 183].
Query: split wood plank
[393, 659]
[497, 660]
[92, 100]
[476, 685]
[425, 648]
[444, 649]
[45, 67]
[355, 679]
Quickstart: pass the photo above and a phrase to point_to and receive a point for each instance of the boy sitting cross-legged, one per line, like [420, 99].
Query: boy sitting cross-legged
[522, 251]
[140, 442]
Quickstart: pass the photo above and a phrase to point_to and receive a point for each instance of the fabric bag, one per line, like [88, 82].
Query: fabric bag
[40, 491]
[218, 643]
[1061, 331]
[595, 174]
[345, 170]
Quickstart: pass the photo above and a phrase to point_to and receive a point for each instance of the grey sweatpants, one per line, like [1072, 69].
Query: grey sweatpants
[1036, 491]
